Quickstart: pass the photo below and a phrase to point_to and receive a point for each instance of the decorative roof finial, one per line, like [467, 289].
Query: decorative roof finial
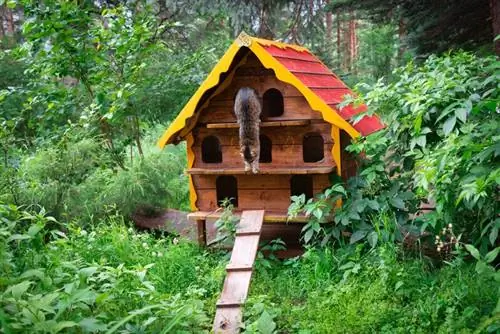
[244, 39]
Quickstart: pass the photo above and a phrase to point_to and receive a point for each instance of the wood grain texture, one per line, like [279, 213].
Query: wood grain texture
[284, 135]
[265, 124]
[304, 170]
[239, 273]
[283, 156]
[320, 181]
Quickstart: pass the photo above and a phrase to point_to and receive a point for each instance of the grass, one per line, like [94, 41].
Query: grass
[111, 278]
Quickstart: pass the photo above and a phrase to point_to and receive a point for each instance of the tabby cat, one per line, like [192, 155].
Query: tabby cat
[247, 108]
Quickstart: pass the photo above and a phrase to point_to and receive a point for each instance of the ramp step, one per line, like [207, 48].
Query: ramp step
[239, 267]
[239, 273]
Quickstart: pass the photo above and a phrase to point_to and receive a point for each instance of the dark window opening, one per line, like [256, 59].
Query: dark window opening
[211, 151]
[313, 147]
[266, 149]
[227, 187]
[272, 103]
[301, 184]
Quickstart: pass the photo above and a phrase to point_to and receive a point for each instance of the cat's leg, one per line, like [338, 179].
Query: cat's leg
[248, 166]
[255, 165]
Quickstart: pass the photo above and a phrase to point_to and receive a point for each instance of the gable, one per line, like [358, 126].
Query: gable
[292, 65]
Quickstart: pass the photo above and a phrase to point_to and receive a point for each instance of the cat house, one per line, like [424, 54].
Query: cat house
[303, 132]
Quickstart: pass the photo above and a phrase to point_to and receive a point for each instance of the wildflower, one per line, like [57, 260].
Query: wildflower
[153, 253]
[159, 254]
[175, 241]
[450, 226]
[145, 245]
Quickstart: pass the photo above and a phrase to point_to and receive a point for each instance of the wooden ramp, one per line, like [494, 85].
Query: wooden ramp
[239, 272]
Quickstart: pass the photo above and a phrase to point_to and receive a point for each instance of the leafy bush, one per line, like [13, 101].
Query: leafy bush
[344, 291]
[106, 279]
[75, 180]
[440, 146]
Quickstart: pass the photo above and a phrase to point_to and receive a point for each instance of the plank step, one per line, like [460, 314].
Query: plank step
[230, 303]
[239, 267]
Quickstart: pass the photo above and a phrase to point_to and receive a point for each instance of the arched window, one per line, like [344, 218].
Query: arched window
[313, 147]
[266, 149]
[301, 184]
[211, 151]
[272, 103]
[227, 187]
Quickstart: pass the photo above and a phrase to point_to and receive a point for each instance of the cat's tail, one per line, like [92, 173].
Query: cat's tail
[247, 154]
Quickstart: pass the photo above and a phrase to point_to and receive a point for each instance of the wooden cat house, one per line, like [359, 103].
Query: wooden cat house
[302, 135]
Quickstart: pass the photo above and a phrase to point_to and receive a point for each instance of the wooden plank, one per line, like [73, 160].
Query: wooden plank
[282, 156]
[250, 222]
[282, 136]
[202, 232]
[263, 171]
[235, 288]
[264, 124]
[296, 108]
[237, 281]
[242, 250]
[269, 216]
[227, 320]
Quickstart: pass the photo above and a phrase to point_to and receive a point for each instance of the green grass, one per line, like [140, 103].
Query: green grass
[111, 278]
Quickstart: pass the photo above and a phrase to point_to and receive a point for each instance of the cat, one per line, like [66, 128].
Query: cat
[247, 108]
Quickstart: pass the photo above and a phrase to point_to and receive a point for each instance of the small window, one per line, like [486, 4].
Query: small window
[301, 184]
[272, 103]
[211, 151]
[313, 147]
[266, 149]
[227, 187]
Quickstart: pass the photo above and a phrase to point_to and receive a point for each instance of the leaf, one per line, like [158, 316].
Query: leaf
[92, 325]
[398, 285]
[491, 256]
[265, 323]
[64, 324]
[357, 236]
[34, 229]
[493, 235]
[372, 239]
[397, 203]
[461, 114]
[18, 237]
[308, 235]
[19, 289]
[88, 271]
[449, 125]
[421, 141]
[473, 251]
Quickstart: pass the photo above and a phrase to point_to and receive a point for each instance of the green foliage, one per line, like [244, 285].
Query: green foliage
[343, 291]
[107, 279]
[74, 180]
[440, 146]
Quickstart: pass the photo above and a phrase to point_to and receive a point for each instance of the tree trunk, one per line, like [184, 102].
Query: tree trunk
[2, 30]
[495, 21]
[339, 53]
[328, 23]
[9, 18]
[402, 38]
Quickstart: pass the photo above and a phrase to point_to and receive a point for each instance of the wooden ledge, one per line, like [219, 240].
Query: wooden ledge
[269, 216]
[263, 171]
[265, 124]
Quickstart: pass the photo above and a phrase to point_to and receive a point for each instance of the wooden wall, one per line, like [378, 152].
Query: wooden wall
[270, 192]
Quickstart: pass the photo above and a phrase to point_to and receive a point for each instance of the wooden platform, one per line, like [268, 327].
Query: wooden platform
[265, 124]
[228, 315]
[269, 216]
[263, 170]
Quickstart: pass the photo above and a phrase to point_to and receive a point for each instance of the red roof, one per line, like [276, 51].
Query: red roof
[317, 77]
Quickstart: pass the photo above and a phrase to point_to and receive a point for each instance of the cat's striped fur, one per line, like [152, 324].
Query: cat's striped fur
[247, 108]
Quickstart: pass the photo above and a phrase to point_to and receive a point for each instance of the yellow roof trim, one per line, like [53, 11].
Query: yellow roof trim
[212, 80]
[280, 45]
[268, 61]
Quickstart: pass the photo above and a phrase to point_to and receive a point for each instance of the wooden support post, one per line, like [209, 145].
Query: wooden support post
[202, 231]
